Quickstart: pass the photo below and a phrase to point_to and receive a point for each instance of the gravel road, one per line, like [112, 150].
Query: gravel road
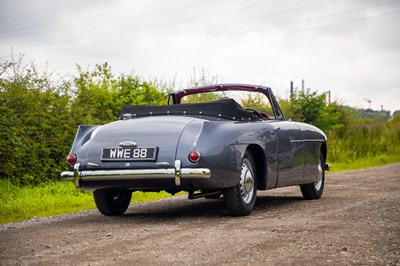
[356, 222]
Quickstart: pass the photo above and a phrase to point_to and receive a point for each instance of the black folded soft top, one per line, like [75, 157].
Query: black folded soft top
[224, 108]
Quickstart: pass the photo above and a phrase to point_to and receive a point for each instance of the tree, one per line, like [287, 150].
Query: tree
[310, 107]
[92, 103]
[99, 96]
[307, 106]
[258, 102]
[35, 123]
[202, 77]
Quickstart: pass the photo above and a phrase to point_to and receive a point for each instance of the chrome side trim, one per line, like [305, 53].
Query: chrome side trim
[306, 140]
[162, 164]
[176, 173]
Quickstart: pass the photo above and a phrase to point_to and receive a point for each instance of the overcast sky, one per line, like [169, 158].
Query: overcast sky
[350, 47]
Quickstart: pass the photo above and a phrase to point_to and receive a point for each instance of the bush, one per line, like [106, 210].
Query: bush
[351, 135]
[35, 122]
[40, 115]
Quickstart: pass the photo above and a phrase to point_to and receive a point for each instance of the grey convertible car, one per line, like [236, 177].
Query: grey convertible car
[209, 141]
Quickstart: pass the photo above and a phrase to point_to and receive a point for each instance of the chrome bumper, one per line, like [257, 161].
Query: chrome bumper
[177, 173]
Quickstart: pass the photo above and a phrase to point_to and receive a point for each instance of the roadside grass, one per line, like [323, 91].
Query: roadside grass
[24, 202]
[18, 203]
[363, 163]
[365, 143]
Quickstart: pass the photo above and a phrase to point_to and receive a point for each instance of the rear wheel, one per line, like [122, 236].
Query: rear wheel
[112, 202]
[240, 199]
[314, 190]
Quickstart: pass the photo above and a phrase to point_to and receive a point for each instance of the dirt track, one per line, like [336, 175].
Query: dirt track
[356, 222]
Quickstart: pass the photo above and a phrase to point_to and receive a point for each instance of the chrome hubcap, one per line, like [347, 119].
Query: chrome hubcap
[320, 173]
[247, 181]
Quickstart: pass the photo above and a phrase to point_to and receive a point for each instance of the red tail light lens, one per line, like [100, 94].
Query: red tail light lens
[194, 156]
[71, 159]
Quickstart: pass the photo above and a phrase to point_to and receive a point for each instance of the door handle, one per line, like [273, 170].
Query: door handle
[277, 128]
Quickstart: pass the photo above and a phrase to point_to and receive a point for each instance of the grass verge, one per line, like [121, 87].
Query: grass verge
[22, 203]
[363, 163]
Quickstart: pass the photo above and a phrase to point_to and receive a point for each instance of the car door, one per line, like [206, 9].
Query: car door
[291, 150]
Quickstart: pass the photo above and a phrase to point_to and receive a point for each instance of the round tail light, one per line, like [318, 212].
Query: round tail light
[71, 159]
[194, 156]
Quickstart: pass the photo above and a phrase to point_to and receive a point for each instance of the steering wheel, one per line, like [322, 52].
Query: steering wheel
[255, 112]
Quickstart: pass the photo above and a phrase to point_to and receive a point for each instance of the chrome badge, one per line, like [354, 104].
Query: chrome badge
[127, 143]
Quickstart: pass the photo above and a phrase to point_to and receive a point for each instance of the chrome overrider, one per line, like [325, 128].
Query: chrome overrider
[177, 173]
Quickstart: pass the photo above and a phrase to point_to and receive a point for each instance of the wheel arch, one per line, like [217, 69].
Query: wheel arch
[260, 164]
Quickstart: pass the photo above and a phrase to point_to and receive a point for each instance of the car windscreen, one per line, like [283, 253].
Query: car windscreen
[247, 100]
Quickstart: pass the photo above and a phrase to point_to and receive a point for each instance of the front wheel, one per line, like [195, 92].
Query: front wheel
[240, 199]
[112, 202]
[314, 190]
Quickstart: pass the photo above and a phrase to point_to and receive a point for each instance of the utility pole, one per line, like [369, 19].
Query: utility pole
[329, 96]
[291, 89]
[369, 103]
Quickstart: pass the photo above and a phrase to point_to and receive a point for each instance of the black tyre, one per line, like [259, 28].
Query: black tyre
[314, 190]
[112, 202]
[240, 199]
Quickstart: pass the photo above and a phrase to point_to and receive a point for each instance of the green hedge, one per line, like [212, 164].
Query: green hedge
[40, 114]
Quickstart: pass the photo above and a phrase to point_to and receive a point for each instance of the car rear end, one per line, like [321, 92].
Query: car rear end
[149, 154]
